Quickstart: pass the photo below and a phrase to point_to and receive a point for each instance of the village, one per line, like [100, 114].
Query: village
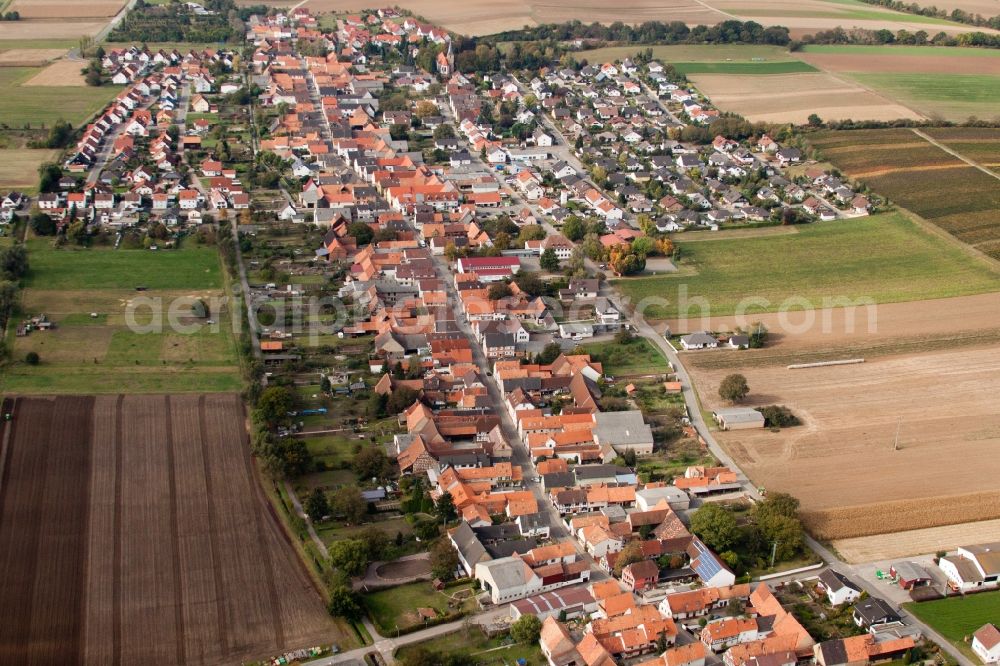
[469, 226]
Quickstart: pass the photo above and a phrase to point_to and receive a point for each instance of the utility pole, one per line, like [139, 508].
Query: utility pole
[774, 551]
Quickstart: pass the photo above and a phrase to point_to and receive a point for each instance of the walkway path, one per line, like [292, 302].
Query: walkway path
[302, 514]
[972, 163]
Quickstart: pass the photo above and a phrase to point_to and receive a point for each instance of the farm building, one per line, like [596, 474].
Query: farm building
[909, 575]
[738, 418]
[623, 431]
[575, 601]
[973, 567]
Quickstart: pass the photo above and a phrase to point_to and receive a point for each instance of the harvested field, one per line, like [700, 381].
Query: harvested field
[794, 97]
[132, 530]
[61, 73]
[29, 57]
[889, 60]
[63, 9]
[43, 29]
[19, 167]
[484, 17]
[916, 542]
[841, 464]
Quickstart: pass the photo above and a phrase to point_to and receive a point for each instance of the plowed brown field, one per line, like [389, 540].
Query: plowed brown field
[132, 530]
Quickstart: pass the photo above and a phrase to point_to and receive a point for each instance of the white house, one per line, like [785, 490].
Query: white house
[542, 138]
[699, 340]
[986, 644]
[839, 589]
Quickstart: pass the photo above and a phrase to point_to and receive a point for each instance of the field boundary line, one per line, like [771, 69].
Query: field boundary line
[932, 228]
[220, 597]
[175, 545]
[954, 153]
[116, 539]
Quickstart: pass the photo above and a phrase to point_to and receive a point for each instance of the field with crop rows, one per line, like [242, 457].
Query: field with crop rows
[132, 530]
[915, 174]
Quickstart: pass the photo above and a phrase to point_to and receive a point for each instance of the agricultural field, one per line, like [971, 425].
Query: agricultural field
[64, 9]
[23, 104]
[59, 73]
[41, 33]
[792, 98]
[979, 144]
[841, 462]
[915, 542]
[133, 530]
[901, 165]
[19, 167]
[90, 296]
[885, 258]
[956, 618]
[947, 83]
[29, 57]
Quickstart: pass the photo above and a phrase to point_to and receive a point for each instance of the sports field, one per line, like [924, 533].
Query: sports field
[109, 337]
[37, 105]
[921, 177]
[958, 617]
[886, 258]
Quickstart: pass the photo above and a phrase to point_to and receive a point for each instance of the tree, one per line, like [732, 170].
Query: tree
[93, 77]
[76, 233]
[444, 508]
[526, 630]
[498, 291]
[623, 336]
[348, 502]
[549, 261]
[530, 283]
[573, 228]
[425, 109]
[344, 603]
[549, 353]
[400, 399]
[317, 506]
[716, 526]
[777, 504]
[42, 224]
[734, 388]
[625, 262]
[630, 554]
[444, 559]
[350, 556]
[14, 262]
[814, 120]
[362, 233]
[371, 463]
[274, 404]
[783, 533]
[32, 358]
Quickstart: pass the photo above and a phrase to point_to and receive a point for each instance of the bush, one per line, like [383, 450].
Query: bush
[778, 416]
[32, 358]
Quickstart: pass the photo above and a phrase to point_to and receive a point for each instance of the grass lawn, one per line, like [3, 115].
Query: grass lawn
[958, 617]
[100, 268]
[638, 357]
[484, 651]
[745, 68]
[119, 350]
[950, 96]
[671, 54]
[397, 606]
[19, 167]
[22, 105]
[331, 531]
[885, 258]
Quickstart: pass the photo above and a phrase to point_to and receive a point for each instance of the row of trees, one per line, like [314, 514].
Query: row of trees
[651, 32]
[839, 35]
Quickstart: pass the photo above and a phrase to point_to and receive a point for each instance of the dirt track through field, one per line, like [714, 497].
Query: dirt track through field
[132, 530]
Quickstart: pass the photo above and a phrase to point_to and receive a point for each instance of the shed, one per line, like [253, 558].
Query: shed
[909, 575]
[738, 418]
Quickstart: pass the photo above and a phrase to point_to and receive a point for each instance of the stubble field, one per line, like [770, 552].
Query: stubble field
[132, 530]
[62, 9]
[841, 461]
[59, 73]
